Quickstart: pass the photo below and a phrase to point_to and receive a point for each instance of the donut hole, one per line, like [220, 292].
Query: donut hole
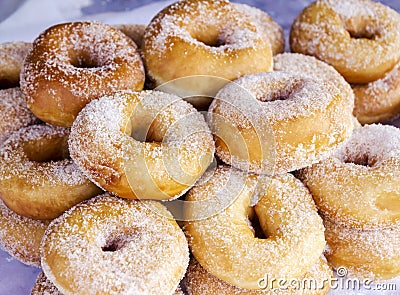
[361, 34]
[84, 60]
[255, 226]
[47, 150]
[209, 37]
[7, 83]
[113, 245]
[362, 159]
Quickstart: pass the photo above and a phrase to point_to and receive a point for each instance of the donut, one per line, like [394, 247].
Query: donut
[200, 282]
[71, 64]
[205, 37]
[12, 55]
[359, 38]
[273, 123]
[14, 113]
[378, 101]
[227, 247]
[38, 180]
[271, 31]
[358, 185]
[300, 64]
[21, 236]
[134, 31]
[43, 286]
[368, 253]
[146, 145]
[110, 246]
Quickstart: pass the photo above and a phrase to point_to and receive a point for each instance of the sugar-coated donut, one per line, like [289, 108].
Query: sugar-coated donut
[73, 63]
[305, 65]
[146, 145]
[12, 55]
[359, 38]
[110, 246]
[21, 236]
[277, 122]
[206, 37]
[271, 31]
[226, 245]
[133, 31]
[378, 101]
[14, 113]
[200, 282]
[37, 179]
[43, 286]
[358, 185]
[372, 253]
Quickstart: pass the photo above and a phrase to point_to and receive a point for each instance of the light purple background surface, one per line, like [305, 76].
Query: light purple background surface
[35, 15]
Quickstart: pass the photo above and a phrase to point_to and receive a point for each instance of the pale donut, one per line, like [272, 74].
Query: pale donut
[373, 254]
[14, 113]
[358, 186]
[359, 38]
[378, 101]
[271, 31]
[305, 65]
[43, 286]
[21, 236]
[170, 147]
[203, 37]
[225, 244]
[71, 64]
[277, 122]
[200, 282]
[12, 55]
[111, 246]
[37, 179]
[134, 31]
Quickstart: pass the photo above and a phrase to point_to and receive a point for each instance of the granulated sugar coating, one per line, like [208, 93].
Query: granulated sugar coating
[14, 114]
[21, 236]
[71, 64]
[114, 246]
[359, 185]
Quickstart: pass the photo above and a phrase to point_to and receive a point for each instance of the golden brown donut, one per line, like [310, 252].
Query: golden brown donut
[205, 37]
[133, 31]
[73, 63]
[309, 66]
[278, 122]
[146, 145]
[225, 244]
[200, 282]
[378, 101]
[271, 31]
[358, 185]
[111, 246]
[366, 253]
[359, 38]
[37, 178]
[12, 55]
[21, 236]
[14, 113]
[43, 286]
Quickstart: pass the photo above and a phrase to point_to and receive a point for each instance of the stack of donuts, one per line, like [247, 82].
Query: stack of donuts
[108, 176]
